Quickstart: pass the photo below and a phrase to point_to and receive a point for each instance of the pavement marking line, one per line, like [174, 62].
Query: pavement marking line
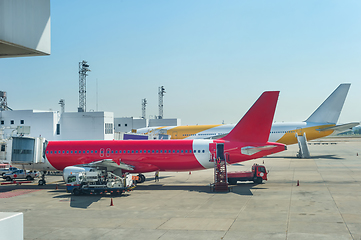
[349, 231]
[240, 211]
[289, 205]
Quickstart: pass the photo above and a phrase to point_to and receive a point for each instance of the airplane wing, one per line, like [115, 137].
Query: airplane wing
[216, 136]
[340, 128]
[109, 164]
[249, 150]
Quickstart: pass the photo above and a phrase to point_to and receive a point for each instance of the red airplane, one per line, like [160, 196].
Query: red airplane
[247, 140]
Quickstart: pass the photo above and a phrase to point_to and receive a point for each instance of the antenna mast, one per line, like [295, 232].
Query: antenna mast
[144, 104]
[62, 105]
[161, 92]
[83, 69]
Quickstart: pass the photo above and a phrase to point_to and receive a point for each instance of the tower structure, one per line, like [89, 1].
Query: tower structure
[161, 91]
[3, 102]
[83, 69]
[62, 105]
[144, 104]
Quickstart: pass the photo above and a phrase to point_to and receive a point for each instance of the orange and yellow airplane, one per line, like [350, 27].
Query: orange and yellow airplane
[321, 123]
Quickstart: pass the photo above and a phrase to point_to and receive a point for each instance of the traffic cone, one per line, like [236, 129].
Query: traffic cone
[111, 202]
[56, 187]
[298, 183]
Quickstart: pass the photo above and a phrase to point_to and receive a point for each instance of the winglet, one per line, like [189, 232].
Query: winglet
[329, 111]
[255, 126]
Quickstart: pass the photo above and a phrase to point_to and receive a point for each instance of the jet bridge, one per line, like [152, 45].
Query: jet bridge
[27, 150]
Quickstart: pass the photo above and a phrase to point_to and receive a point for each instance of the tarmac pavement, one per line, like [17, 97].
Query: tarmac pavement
[325, 205]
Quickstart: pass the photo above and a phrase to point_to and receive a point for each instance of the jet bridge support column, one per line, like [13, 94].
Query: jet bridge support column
[303, 147]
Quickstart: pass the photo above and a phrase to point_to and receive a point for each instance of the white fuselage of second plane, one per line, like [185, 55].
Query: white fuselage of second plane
[280, 132]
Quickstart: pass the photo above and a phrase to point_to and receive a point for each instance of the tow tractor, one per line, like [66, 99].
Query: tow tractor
[257, 175]
[96, 180]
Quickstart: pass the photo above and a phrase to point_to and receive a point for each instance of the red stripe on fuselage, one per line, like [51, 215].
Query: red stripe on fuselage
[146, 156]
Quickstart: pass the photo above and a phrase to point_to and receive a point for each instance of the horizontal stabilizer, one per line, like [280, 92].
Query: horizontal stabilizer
[249, 150]
[109, 164]
[340, 128]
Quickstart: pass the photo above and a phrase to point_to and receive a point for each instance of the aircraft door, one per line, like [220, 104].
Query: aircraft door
[174, 135]
[101, 153]
[220, 151]
[213, 151]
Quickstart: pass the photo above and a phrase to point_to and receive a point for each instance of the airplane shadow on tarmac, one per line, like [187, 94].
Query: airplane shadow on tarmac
[84, 201]
[240, 188]
[334, 157]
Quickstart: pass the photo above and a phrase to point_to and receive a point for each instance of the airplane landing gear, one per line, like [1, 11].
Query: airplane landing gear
[141, 178]
[42, 181]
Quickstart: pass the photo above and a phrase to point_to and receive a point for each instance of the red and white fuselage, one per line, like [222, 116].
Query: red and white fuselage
[150, 155]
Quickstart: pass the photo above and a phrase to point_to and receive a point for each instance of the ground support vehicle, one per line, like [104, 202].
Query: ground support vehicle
[91, 180]
[257, 175]
[3, 171]
[20, 174]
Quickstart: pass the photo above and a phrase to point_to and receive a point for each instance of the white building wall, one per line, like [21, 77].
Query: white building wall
[73, 125]
[40, 122]
[164, 122]
[24, 28]
[86, 126]
[126, 124]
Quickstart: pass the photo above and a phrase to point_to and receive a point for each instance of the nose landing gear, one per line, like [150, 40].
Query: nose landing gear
[42, 181]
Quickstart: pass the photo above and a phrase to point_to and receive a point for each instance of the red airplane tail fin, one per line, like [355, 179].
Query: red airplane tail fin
[255, 126]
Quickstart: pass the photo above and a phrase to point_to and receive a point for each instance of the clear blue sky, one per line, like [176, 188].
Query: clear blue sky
[214, 58]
